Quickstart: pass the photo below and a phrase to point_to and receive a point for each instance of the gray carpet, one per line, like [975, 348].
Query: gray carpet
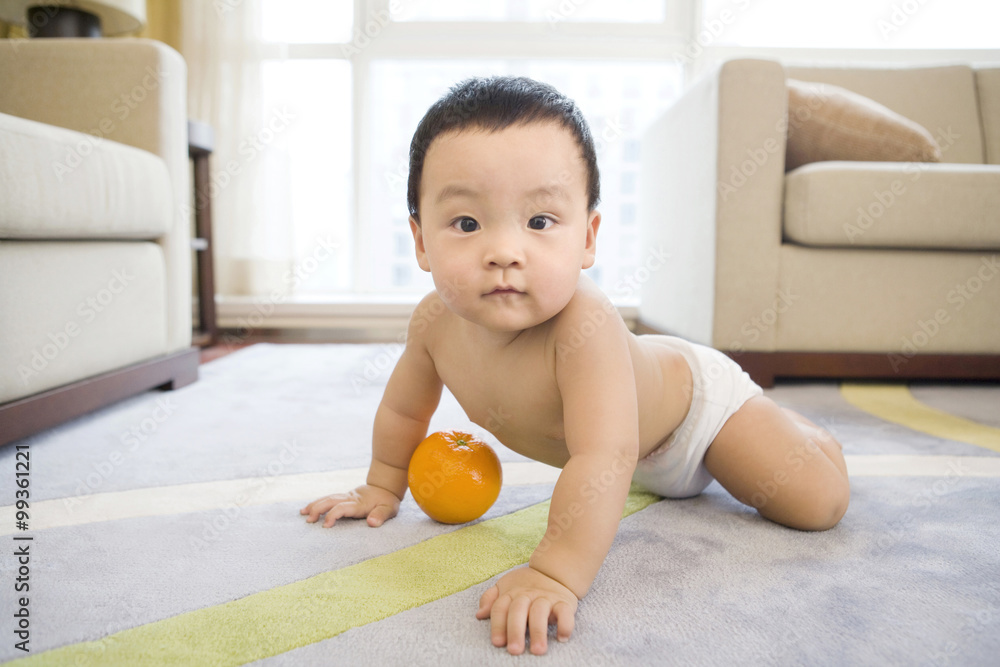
[910, 576]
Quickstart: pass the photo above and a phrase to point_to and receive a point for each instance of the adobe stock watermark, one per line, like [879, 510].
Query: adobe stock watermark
[496, 419]
[591, 491]
[119, 111]
[88, 310]
[957, 297]
[398, 179]
[225, 519]
[585, 330]
[758, 156]
[611, 132]
[909, 521]
[900, 15]
[711, 30]
[654, 260]
[882, 201]
[249, 148]
[131, 439]
[223, 7]
[596, 318]
[385, 359]
[323, 250]
[794, 461]
[433, 481]
[974, 624]
[374, 23]
[378, 364]
[756, 326]
[559, 13]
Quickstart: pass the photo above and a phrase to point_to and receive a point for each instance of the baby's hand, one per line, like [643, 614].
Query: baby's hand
[374, 502]
[526, 599]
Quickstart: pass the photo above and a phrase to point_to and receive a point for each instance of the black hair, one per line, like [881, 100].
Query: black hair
[493, 104]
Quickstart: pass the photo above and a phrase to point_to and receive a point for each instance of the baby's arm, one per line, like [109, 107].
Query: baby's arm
[597, 386]
[411, 396]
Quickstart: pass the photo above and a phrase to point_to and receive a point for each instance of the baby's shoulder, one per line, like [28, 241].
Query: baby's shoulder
[428, 316]
[589, 315]
[588, 303]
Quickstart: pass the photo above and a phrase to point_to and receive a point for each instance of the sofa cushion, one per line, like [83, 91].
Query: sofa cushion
[60, 184]
[885, 204]
[944, 100]
[828, 122]
[74, 310]
[899, 302]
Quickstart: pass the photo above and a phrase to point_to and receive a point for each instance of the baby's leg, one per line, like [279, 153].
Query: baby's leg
[777, 461]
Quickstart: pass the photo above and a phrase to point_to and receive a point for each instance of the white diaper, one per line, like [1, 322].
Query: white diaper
[676, 469]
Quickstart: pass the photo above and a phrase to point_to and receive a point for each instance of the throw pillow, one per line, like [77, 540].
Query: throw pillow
[827, 122]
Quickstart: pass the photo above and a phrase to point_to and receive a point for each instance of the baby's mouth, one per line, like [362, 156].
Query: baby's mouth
[503, 290]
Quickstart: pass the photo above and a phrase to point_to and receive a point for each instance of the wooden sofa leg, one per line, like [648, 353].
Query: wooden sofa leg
[184, 370]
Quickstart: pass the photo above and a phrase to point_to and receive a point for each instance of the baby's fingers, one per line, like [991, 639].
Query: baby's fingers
[486, 602]
[380, 515]
[538, 625]
[498, 621]
[517, 624]
[565, 620]
[317, 508]
[348, 508]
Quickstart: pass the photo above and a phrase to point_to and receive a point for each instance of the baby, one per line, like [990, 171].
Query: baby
[503, 189]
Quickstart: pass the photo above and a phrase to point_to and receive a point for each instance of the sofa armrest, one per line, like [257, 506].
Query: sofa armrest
[677, 214]
[132, 91]
[713, 173]
[988, 90]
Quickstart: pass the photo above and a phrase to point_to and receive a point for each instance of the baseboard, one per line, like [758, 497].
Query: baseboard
[32, 414]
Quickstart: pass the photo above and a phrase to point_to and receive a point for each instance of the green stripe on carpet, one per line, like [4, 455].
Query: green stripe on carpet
[284, 618]
[895, 403]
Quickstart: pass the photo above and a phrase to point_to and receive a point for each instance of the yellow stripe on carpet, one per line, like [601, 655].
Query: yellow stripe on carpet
[281, 619]
[895, 403]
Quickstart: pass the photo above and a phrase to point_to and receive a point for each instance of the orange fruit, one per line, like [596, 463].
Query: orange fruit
[454, 477]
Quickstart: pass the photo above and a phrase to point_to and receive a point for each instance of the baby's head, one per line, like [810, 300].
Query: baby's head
[493, 104]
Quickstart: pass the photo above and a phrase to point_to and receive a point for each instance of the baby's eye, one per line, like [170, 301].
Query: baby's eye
[466, 224]
[540, 222]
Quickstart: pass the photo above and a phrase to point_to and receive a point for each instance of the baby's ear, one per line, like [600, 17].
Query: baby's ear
[418, 243]
[590, 250]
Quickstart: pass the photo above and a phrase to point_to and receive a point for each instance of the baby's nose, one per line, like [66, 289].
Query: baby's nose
[504, 250]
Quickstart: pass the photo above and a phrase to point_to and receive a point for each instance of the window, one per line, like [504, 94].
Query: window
[603, 11]
[858, 24]
[313, 99]
[359, 84]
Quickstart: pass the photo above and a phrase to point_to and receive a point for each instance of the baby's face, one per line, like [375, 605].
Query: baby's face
[505, 229]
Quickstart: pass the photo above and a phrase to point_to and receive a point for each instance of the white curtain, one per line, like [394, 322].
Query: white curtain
[221, 42]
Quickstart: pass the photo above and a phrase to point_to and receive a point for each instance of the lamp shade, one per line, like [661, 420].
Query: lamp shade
[117, 16]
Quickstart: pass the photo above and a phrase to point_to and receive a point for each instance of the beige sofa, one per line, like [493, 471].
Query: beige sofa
[95, 242]
[835, 269]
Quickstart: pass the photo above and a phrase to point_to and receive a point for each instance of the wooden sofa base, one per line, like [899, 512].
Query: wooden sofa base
[32, 414]
[764, 367]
